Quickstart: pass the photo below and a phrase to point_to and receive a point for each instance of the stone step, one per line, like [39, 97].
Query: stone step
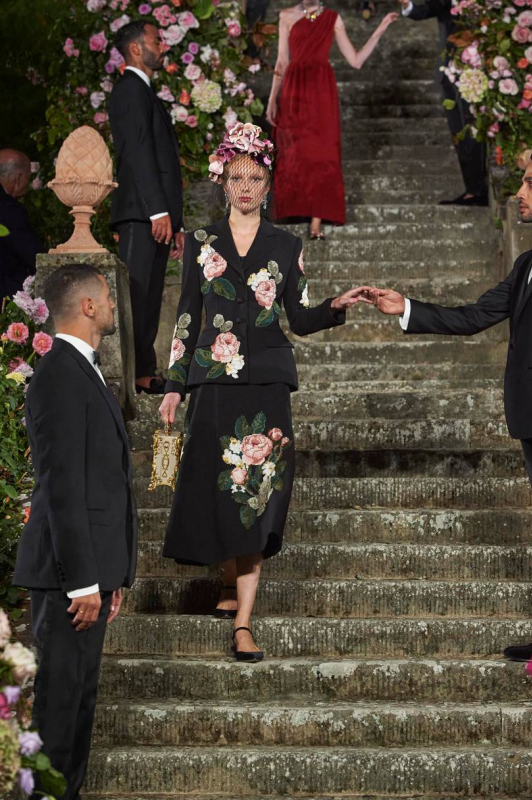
[367, 401]
[401, 92]
[412, 350]
[393, 197]
[217, 796]
[385, 184]
[479, 229]
[363, 562]
[313, 494]
[422, 526]
[402, 154]
[383, 214]
[407, 111]
[144, 634]
[346, 598]
[340, 245]
[316, 681]
[448, 371]
[338, 725]
[275, 771]
[426, 126]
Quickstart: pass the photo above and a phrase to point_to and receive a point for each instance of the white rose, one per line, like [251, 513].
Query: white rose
[22, 661]
[178, 114]
[5, 628]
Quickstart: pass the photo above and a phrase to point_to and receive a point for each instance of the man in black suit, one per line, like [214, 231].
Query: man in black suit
[79, 546]
[18, 250]
[510, 299]
[471, 154]
[147, 207]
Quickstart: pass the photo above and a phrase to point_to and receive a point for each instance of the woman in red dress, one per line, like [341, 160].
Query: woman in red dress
[308, 178]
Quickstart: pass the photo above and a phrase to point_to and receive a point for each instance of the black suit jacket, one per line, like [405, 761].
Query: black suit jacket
[511, 298]
[82, 528]
[447, 25]
[18, 250]
[267, 353]
[147, 155]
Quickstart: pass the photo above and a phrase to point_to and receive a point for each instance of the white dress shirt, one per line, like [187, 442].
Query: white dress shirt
[404, 320]
[147, 81]
[86, 350]
[407, 10]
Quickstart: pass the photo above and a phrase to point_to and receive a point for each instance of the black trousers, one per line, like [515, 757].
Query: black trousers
[471, 154]
[146, 261]
[66, 683]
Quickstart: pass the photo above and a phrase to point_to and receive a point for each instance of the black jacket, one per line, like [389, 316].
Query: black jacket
[509, 299]
[82, 528]
[147, 155]
[241, 341]
[18, 250]
[447, 25]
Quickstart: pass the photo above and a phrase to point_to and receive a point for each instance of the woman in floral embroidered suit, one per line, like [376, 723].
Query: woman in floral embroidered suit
[237, 468]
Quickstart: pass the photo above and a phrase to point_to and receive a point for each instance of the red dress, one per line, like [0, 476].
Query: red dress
[308, 178]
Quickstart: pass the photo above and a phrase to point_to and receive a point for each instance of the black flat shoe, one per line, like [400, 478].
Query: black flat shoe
[246, 655]
[519, 652]
[156, 387]
[224, 613]
[462, 200]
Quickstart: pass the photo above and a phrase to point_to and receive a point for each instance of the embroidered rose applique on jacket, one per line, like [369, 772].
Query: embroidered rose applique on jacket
[264, 284]
[179, 358]
[214, 266]
[223, 355]
[302, 285]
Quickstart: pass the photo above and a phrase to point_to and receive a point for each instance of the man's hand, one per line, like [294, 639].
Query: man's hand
[179, 240]
[389, 302]
[86, 610]
[168, 407]
[161, 229]
[116, 602]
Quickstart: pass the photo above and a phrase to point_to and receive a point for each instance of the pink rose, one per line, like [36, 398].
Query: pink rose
[36, 183]
[163, 15]
[179, 114]
[508, 86]
[173, 35]
[187, 20]
[193, 72]
[265, 293]
[178, 348]
[239, 476]
[192, 121]
[275, 434]
[224, 347]
[471, 56]
[39, 312]
[98, 42]
[524, 19]
[100, 117]
[5, 709]
[214, 266]
[165, 94]
[42, 343]
[233, 27]
[69, 48]
[256, 449]
[520, 34]
[18, 332]
[97, 98]
[82, 90]
[119, 22]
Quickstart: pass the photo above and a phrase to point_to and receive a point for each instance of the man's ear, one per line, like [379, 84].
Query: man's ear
[88, 307]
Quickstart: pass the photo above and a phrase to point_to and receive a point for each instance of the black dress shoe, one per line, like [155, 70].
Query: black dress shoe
[462, 200]
[156, 387]
[519, 652]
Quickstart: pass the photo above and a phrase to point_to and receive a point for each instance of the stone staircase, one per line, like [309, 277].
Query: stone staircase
[408, 557]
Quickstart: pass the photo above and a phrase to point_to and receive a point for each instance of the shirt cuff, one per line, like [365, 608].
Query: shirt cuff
[158, 216]
[405, 319]
[83, 592]
[407, 10]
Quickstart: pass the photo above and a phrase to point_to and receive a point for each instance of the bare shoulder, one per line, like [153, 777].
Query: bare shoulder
[339, 23]
[287, 15]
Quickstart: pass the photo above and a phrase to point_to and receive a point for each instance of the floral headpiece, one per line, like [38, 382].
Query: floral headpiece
[244, 138]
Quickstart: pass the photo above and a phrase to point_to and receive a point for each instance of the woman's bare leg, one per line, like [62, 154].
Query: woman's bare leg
[248, 573]
[227, 600]
[315, 226]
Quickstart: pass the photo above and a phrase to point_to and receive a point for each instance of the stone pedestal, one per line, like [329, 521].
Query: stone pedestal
[117, 351]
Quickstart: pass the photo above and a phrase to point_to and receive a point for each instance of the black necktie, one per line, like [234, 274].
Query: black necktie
[96, 360]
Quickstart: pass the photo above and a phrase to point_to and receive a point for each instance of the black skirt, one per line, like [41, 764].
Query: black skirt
[236, 474]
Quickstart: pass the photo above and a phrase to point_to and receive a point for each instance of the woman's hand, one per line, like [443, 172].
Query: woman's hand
[350, 298]
[271, 112]
[168, 407]
[388, 20]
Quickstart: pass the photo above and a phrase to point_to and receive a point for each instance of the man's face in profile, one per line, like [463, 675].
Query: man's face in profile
[524, 195]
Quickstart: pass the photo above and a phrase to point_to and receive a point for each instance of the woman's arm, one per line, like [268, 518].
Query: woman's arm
[357, 59]
[283, 59]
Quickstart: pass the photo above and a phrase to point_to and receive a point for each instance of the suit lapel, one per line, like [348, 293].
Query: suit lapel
[257, 254]
[100, 385]
[263, 244]
[225, 245]
[525, 287]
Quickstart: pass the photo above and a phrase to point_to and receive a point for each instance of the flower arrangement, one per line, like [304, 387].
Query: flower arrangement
[21, 344]
[20, 745]
[257, 466]
[243, 138]
[492, 68]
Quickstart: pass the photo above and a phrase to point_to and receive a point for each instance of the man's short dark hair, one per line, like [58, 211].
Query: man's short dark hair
[131, 32]
[64, 284]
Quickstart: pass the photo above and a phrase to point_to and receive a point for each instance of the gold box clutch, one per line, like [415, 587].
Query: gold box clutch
[167, 448]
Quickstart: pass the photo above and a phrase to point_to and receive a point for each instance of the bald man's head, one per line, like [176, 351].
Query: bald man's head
[15, 171]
